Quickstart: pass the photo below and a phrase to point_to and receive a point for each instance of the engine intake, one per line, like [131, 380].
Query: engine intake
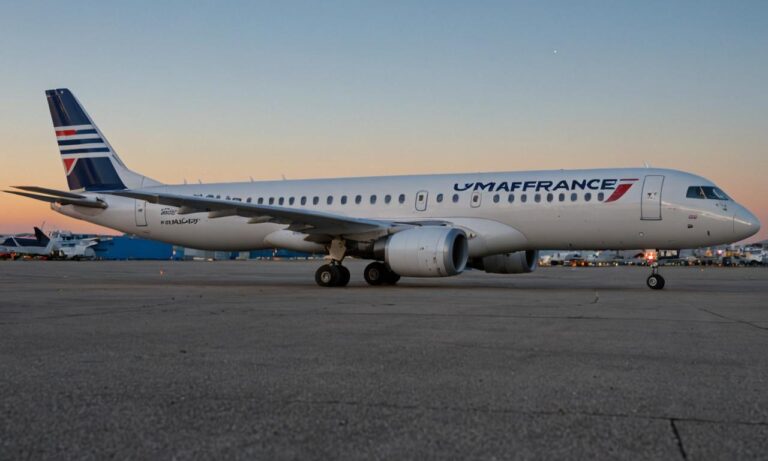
[429, 251]
[519, 262]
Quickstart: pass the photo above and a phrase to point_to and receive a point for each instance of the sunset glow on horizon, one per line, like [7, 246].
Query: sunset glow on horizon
[221, 93]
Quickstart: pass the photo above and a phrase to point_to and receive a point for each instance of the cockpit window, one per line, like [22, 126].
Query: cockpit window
[706, 192]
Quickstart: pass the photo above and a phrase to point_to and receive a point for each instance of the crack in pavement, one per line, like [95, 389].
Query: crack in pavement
[597, 414]
[751, 324]
[679, 439]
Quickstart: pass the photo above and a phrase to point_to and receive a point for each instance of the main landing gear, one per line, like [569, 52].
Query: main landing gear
[332, 275]
[655, 280]
[336, 275]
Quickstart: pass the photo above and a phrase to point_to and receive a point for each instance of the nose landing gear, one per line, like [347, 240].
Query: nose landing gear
[655, 281]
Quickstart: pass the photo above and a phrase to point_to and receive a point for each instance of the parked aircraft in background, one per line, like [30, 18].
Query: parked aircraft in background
[74, 246]
[19, 246]
[417, 226]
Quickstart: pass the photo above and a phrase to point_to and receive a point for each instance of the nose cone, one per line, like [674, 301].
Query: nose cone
[745, 224]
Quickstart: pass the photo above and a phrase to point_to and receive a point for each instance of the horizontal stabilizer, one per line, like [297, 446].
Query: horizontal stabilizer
[84, 202]
[53, 192]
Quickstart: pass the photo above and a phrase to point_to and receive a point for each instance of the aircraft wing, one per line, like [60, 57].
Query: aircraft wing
[304, 221]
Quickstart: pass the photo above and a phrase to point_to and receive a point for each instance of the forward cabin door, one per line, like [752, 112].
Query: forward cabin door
[141, 213]
[650, 205]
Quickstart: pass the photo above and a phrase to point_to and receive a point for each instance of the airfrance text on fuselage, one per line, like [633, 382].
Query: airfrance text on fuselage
[538, 186]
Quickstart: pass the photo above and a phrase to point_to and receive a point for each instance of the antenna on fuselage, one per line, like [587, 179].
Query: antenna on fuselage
[283, 176]
[647, 165]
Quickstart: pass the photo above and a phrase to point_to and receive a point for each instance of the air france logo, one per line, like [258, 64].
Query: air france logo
[618, 186]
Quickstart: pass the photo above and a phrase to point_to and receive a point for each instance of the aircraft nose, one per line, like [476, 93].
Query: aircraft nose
[745, 224]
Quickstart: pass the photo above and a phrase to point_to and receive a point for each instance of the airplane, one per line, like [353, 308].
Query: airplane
[17, 246]
[411, 226]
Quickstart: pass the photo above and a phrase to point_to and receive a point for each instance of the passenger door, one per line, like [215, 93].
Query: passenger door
[650, 201]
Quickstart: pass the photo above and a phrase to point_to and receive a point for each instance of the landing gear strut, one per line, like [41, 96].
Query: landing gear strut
[655, 280]
[377, 273]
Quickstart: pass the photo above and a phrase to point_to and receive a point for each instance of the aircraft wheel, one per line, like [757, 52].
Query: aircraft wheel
[655, 282]
[343, 276]
[391, 277]
[375, 273]
[327, 275]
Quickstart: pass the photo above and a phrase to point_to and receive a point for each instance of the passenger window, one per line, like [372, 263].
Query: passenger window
[281, 200]
[587, 197]
[303, 200]
[476, 198]
[511, 198]
[248, 200]
[600, 197]
[387, 199]
[343, 199]
[401, 199]
[439, 198]
[523, 198]
[573, 196]
[561, 197]
[329, 200]
[537, 198]
[291, 200]
[315, 200]
[550, 197]
[373, 199]
[261, 200]
[455, 198]
[358, 199]
[496, 198]
[271, 200]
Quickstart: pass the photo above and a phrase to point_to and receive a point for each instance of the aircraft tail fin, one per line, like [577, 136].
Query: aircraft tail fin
[90, 163]
[41, 237]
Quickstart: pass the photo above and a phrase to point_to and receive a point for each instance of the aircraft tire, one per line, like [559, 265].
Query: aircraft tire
[344, 276]
[327, 275]
[392, 277]
[655, 282]
[375, 273]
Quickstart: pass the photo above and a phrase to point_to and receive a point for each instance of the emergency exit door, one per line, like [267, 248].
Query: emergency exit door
[421, 200]
[141, 213]
[650, 204]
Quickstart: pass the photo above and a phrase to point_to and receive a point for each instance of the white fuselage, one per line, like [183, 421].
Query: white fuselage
[500, 212]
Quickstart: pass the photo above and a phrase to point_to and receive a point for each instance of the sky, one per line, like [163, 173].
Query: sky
[224, 91]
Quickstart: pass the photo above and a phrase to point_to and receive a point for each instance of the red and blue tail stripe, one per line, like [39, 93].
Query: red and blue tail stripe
[89, 161]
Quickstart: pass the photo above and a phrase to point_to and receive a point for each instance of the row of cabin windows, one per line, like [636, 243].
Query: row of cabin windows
[328, 200]
[550, 197]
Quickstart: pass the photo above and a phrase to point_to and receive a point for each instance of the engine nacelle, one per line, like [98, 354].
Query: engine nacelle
[429, 251]
[519, 262]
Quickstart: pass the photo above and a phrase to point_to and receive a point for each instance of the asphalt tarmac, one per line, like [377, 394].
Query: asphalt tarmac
[251, 360]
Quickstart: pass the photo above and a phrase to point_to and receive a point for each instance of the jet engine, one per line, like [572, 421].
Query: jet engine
[518, 262]
[430, 251]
